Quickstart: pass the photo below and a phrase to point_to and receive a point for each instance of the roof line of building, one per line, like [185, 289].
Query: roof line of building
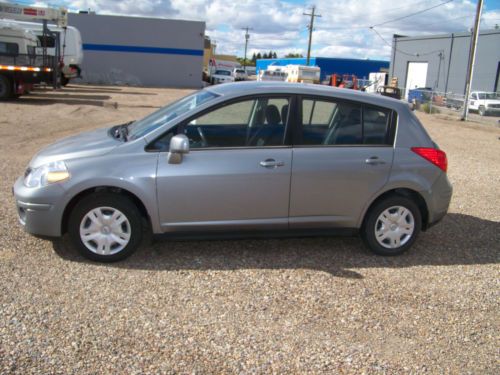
[401, 38]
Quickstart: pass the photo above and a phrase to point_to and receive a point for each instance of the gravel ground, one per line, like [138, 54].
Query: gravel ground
[315, 305]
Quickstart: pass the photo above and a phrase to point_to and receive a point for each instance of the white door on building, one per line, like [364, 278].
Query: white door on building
[416, 76]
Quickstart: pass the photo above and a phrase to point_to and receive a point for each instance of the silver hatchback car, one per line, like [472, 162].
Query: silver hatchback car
[270, 157]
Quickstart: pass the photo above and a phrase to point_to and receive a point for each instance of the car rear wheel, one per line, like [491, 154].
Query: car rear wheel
[105, 227]
[392, 226]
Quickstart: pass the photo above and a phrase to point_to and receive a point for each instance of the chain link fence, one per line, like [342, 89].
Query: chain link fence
[483, 107]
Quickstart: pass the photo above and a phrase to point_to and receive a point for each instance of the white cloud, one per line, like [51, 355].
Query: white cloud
[342, 31]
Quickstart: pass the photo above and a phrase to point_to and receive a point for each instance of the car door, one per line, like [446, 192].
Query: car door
[342, 156]
[237, 173]
[473, 104]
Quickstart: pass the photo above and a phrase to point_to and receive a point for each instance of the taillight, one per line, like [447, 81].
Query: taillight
[434, 155]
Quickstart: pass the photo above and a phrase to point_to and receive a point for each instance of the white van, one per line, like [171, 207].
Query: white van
[70, 46]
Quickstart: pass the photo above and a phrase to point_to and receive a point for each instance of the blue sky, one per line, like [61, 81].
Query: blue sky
[279, 25]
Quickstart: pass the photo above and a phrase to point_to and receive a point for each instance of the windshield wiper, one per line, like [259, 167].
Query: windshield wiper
[121, 131]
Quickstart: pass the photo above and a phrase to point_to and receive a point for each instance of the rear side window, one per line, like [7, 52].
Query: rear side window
[330, 122]
[9, 48]
[376, 123]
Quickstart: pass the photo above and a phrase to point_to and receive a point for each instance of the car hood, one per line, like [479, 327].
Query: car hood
[92, 143]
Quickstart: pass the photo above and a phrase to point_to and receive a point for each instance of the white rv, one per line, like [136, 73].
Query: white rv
[20, 66]
[302, 73]
[71, 49]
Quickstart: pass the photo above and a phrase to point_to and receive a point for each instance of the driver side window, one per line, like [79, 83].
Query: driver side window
[257, 122]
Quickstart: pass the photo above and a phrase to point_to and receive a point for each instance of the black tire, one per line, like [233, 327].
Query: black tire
[6, 89]
[64, 80]
[371, 221]
[117, 202]
[482, 110]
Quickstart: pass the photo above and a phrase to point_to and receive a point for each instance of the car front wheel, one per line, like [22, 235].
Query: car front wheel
[482, 110]
[392, 226]
[105, 227]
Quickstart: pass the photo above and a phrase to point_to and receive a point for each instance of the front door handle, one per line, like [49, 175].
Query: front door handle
[374, 160]
[271, 163]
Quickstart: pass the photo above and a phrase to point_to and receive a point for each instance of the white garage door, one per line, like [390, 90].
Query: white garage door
[416, 76]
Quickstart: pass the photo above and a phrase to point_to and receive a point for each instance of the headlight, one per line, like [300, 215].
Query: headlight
[46, 174]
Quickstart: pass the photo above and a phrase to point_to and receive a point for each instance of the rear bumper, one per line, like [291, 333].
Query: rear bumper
[439, 200]
[39, 209]
[493, 111]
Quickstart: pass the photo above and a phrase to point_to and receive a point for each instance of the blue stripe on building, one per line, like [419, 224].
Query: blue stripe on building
[141, 49]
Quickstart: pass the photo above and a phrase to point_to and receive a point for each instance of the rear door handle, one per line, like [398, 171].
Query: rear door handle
[374, 160]
[271, 163]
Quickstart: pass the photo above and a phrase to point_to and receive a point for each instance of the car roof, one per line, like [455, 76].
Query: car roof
[279, 87]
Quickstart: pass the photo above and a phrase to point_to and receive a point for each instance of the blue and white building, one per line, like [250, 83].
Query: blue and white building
[330, 65]
[140, 51]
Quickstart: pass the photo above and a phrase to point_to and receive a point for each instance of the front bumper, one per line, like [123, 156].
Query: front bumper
[40, 210]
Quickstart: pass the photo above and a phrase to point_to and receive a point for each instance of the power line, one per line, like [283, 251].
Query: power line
[403, 52]
[411, 15]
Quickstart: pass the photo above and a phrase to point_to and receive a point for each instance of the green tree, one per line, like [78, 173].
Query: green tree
[259, 56]
[254, 57]
[293, 55]
[264, 55]
[275, 55]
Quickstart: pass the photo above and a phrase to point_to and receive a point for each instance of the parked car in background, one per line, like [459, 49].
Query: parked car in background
[221, 76]
[240, 74]
[390, 91]
[248, 156]
[485, 103]
[272, 73]
[420, 95]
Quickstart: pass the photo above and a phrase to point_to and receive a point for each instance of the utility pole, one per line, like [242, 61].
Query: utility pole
[247, 36]
[310, 27]
[472, 58]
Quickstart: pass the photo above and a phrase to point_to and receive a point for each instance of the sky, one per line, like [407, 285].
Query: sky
[343, 30]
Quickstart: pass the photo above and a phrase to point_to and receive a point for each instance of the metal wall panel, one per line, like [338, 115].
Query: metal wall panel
[447, 56]
[141, 51]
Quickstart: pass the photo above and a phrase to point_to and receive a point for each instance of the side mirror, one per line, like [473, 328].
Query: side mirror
[179, 145]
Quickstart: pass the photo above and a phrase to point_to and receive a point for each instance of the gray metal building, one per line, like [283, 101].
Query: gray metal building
[141, 51]
[440, 62]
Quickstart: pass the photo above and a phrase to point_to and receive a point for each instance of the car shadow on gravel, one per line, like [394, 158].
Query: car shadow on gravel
[457, 240]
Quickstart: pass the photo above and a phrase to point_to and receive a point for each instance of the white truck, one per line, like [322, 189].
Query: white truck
[20, 65]
[70, 47]
[485, 103]
[23, 62]
[221, 76]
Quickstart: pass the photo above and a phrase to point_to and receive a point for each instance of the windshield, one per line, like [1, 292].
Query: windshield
[487, 95]
[223, 72]
[156, 119]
